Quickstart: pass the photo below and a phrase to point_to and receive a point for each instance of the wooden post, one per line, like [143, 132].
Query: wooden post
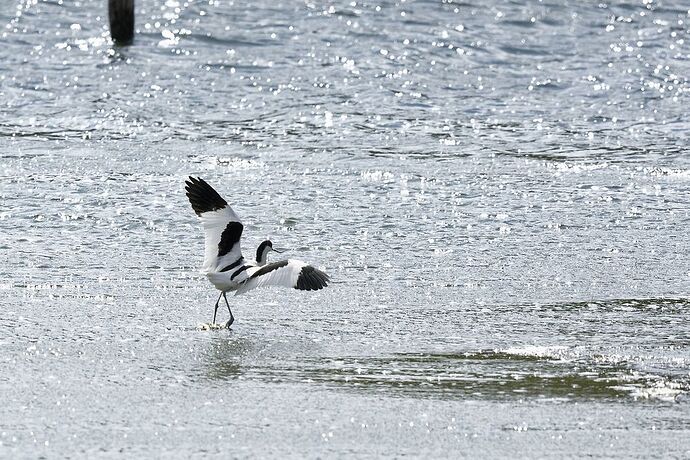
[121, 16]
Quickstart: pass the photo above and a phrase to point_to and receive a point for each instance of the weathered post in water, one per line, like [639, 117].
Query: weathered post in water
[121, 16]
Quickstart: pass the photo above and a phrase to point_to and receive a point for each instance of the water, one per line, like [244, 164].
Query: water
[498, 191]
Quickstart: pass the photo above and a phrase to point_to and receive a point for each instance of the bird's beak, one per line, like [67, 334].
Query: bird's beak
[278, 251]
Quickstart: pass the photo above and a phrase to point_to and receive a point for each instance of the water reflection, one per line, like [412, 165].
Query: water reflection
[492, 374]
[227, 355]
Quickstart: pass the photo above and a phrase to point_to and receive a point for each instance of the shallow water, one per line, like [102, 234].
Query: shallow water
[499, 193]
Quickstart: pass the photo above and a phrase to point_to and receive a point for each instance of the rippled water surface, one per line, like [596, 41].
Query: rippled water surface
[499, 191]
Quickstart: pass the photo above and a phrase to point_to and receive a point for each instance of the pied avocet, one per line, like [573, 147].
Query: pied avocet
[223, 262]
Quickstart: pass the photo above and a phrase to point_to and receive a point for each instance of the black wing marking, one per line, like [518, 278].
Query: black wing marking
[202, 196]
[311, 279]
[229, 238]
[239, 270]
[232, 265]
[268, 268]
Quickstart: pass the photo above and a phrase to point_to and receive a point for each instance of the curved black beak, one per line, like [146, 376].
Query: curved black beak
[278, 251]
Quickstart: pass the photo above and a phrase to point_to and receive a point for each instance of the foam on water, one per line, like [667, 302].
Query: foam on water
[211, 326]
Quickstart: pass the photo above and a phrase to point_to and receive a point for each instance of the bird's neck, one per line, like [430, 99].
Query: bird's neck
[263, 257]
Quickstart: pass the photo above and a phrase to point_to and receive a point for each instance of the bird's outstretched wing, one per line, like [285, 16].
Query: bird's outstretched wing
[222, 227]
[289, 273]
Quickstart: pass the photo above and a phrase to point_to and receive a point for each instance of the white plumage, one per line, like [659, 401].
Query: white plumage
[224, 265]
[287, 276]
[214, 223]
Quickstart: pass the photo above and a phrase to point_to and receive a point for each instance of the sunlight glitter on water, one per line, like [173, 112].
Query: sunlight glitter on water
[500, 195]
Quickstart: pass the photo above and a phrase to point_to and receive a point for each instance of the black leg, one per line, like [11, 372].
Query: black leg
[215, 310]
[232, 318]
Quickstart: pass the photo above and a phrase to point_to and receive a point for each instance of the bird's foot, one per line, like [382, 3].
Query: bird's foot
[229, 323]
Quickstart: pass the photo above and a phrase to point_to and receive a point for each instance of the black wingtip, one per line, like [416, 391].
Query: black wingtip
[311, 279]
[202, 196]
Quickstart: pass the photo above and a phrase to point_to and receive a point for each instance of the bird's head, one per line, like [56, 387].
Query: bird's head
[262, 252]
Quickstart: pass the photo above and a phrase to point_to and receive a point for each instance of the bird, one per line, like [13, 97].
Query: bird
[225, 266]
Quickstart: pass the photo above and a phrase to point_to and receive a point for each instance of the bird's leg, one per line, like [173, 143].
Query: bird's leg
[215, 310]
[232, 318]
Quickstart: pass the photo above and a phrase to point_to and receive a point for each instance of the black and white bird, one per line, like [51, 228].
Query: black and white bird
[224, 265]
